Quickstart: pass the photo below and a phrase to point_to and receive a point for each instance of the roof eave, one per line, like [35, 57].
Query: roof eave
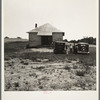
[31, 32]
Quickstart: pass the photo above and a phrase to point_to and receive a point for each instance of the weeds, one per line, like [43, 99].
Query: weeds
[75, 67]
[80, 73]
[8, 86]
[12, 72]
[67, 67]
[16, 84]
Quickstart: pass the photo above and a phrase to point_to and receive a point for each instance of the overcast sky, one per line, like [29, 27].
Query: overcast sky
[77, 18]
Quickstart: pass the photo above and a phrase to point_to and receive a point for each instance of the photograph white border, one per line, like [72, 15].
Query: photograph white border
[49, 95]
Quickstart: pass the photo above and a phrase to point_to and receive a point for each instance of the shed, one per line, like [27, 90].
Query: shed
[44, 35]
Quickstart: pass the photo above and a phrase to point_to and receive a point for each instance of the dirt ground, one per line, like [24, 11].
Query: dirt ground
[42, 74]
[41, 50]
[39, 69]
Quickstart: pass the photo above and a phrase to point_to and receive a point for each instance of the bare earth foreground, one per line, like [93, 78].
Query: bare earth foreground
[42, 70]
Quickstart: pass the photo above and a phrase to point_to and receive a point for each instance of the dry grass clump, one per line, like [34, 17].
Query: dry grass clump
[66, 67]
[32, 75]
[24, 62]
[75, 66]
[80, 72]
[54, 86]
[8, 86]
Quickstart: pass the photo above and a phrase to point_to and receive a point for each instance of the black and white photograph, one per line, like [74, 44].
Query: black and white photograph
[50, 45]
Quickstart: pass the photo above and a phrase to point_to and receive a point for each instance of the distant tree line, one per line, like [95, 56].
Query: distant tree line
[6, 37]
[9, 37]
[89, 40]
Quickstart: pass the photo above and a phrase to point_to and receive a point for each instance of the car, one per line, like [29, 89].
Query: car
[59, 47]
[82, 48]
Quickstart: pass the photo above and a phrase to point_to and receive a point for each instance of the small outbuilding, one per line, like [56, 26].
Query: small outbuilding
[44, 35]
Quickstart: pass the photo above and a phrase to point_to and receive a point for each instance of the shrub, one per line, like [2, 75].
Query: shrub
[80, 73]
[81, 83]
[69, 61]
[16, 84]
[67, 67]
[12, 72]
[6, 37]
[67, 86]
[41, 87]
[40, 68]
[74, 67]
[33, 74]
[26, 63]
[54, 86]
[19, 38]
[8, 86]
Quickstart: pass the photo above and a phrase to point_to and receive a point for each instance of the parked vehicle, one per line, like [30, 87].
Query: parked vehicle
[59, 47]
[82, 48]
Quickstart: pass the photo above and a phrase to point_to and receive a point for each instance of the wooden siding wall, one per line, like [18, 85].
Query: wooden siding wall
[34, 40]
[57, 36]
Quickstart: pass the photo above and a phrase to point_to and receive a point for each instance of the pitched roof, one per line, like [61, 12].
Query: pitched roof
[45, 29]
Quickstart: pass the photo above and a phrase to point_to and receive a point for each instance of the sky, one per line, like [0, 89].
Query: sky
[77, 18]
